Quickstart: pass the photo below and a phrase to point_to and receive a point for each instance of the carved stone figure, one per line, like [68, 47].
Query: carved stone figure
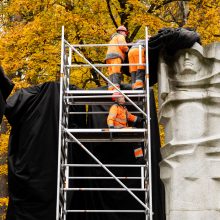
[189, 99]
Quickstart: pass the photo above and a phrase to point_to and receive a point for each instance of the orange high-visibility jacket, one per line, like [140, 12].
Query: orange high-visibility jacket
[119, 116]
[117, 51]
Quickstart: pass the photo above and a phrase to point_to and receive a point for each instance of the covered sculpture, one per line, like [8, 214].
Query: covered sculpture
[168, 40]
[189, 97]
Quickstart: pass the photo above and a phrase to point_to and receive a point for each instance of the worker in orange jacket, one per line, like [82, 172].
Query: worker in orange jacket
[116, 55]
[118, 118]
[137, 72]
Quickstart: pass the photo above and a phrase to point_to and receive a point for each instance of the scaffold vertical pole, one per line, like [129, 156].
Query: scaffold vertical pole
[60, 127]
[149, 122]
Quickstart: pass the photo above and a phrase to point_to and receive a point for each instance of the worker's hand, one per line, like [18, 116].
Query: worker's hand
[141, 120]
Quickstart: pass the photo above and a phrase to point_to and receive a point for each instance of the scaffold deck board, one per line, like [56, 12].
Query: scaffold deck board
[110, 135]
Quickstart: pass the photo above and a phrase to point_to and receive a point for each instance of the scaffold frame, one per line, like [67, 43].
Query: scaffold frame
[68, 97]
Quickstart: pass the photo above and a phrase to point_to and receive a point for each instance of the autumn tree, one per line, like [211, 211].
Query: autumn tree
[31, 30]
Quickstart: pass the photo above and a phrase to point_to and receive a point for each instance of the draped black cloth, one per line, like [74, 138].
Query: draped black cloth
[168, 40]
[32, 161]
[32, 158]
[6, 87]
[115, 153]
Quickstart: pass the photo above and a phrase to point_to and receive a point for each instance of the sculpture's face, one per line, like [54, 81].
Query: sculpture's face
[187, 63]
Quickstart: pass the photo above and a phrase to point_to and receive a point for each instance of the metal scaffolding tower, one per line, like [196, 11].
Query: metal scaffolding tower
[82, 136]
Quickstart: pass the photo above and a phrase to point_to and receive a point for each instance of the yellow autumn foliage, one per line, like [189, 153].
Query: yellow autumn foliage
[3, 144]
[3, 169]
[3, 201]
[31, 34]
[3, 206]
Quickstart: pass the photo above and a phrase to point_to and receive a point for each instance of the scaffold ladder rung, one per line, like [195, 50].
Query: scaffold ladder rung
[102, 92]
[109, 140]
[93, 113]
[104, 189]
[106, 165]
[106, 130]
[108, 211]
[100, 96]
[92, 103]
[103, 177]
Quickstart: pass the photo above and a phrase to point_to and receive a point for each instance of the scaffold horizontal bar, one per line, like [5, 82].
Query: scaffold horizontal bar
[103, 65]
[115, 140]
[106, 165]
[105, 189]
[101, 45]
[108, 211]
[94, 113]
[86, 92]
[99, 103]
[103, 177]
[101, 96]
[106, 130]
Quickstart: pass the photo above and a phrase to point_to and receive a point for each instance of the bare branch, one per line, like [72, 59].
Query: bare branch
[173, 17]
[90, 80]
[134, 33]
[165, 2]
[185, 12]
[122, 13]
[110, 13]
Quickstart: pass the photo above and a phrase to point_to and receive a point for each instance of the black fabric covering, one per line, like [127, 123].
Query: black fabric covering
[118, 153]
[158, 190]
[6, 87]
[169, 40]
[32, 160]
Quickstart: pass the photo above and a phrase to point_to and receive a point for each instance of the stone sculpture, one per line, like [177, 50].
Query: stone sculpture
[189, 100]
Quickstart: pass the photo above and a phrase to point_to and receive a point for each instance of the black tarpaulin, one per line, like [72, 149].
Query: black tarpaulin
[107, 153]
[32, 158]
[33, 114]
[6, 87]
[169, 40]
[116, 153]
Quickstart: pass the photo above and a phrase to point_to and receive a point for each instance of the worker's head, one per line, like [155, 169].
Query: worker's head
[122, 30]
[118, 97]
